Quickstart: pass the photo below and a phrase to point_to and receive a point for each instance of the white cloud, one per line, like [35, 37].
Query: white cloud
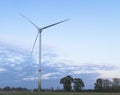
[109, 73]
[48, 75]
[30, 78]
[2, 69]
[17, 59]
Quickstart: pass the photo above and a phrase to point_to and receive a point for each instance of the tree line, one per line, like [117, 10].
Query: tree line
[77, 85]
[107, 85]
[8, 88]
[103, 85]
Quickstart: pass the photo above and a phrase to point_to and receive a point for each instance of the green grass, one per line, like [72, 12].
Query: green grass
[54, 93]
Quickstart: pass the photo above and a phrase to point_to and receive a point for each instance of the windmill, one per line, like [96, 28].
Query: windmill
[39, 35]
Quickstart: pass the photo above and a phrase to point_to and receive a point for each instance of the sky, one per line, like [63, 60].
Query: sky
[91, 36]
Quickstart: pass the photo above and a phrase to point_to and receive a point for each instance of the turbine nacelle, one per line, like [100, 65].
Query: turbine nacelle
[39, 30]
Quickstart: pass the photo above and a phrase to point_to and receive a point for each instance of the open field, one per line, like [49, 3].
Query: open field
[54, 93]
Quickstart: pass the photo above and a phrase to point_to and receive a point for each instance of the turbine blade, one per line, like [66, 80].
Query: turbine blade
[29, 21]
[34, 44]
[54, 24]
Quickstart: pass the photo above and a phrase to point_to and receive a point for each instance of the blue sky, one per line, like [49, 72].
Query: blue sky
[92, 35]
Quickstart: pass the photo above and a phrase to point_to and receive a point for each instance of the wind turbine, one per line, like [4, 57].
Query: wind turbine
[39, 34]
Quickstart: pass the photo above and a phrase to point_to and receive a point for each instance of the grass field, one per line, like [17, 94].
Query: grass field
[54, 93]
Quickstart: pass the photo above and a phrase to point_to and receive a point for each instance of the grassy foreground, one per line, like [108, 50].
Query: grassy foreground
[54, 93]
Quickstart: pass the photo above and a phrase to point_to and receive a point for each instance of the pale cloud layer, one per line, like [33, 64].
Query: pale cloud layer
[16, 64]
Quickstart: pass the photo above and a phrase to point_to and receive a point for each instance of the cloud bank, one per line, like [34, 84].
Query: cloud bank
[18, 69]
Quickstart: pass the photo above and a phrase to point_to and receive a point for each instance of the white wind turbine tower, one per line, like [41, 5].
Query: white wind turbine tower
[39, 34]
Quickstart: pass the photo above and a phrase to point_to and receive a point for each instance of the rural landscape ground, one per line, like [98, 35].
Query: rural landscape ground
[56, 93]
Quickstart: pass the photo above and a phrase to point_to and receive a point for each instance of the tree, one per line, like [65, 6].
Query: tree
[116, 82]
[99, 84]
[107, 84]
[7, 88]
[78, 84]
[103, 85]
[67, 81]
